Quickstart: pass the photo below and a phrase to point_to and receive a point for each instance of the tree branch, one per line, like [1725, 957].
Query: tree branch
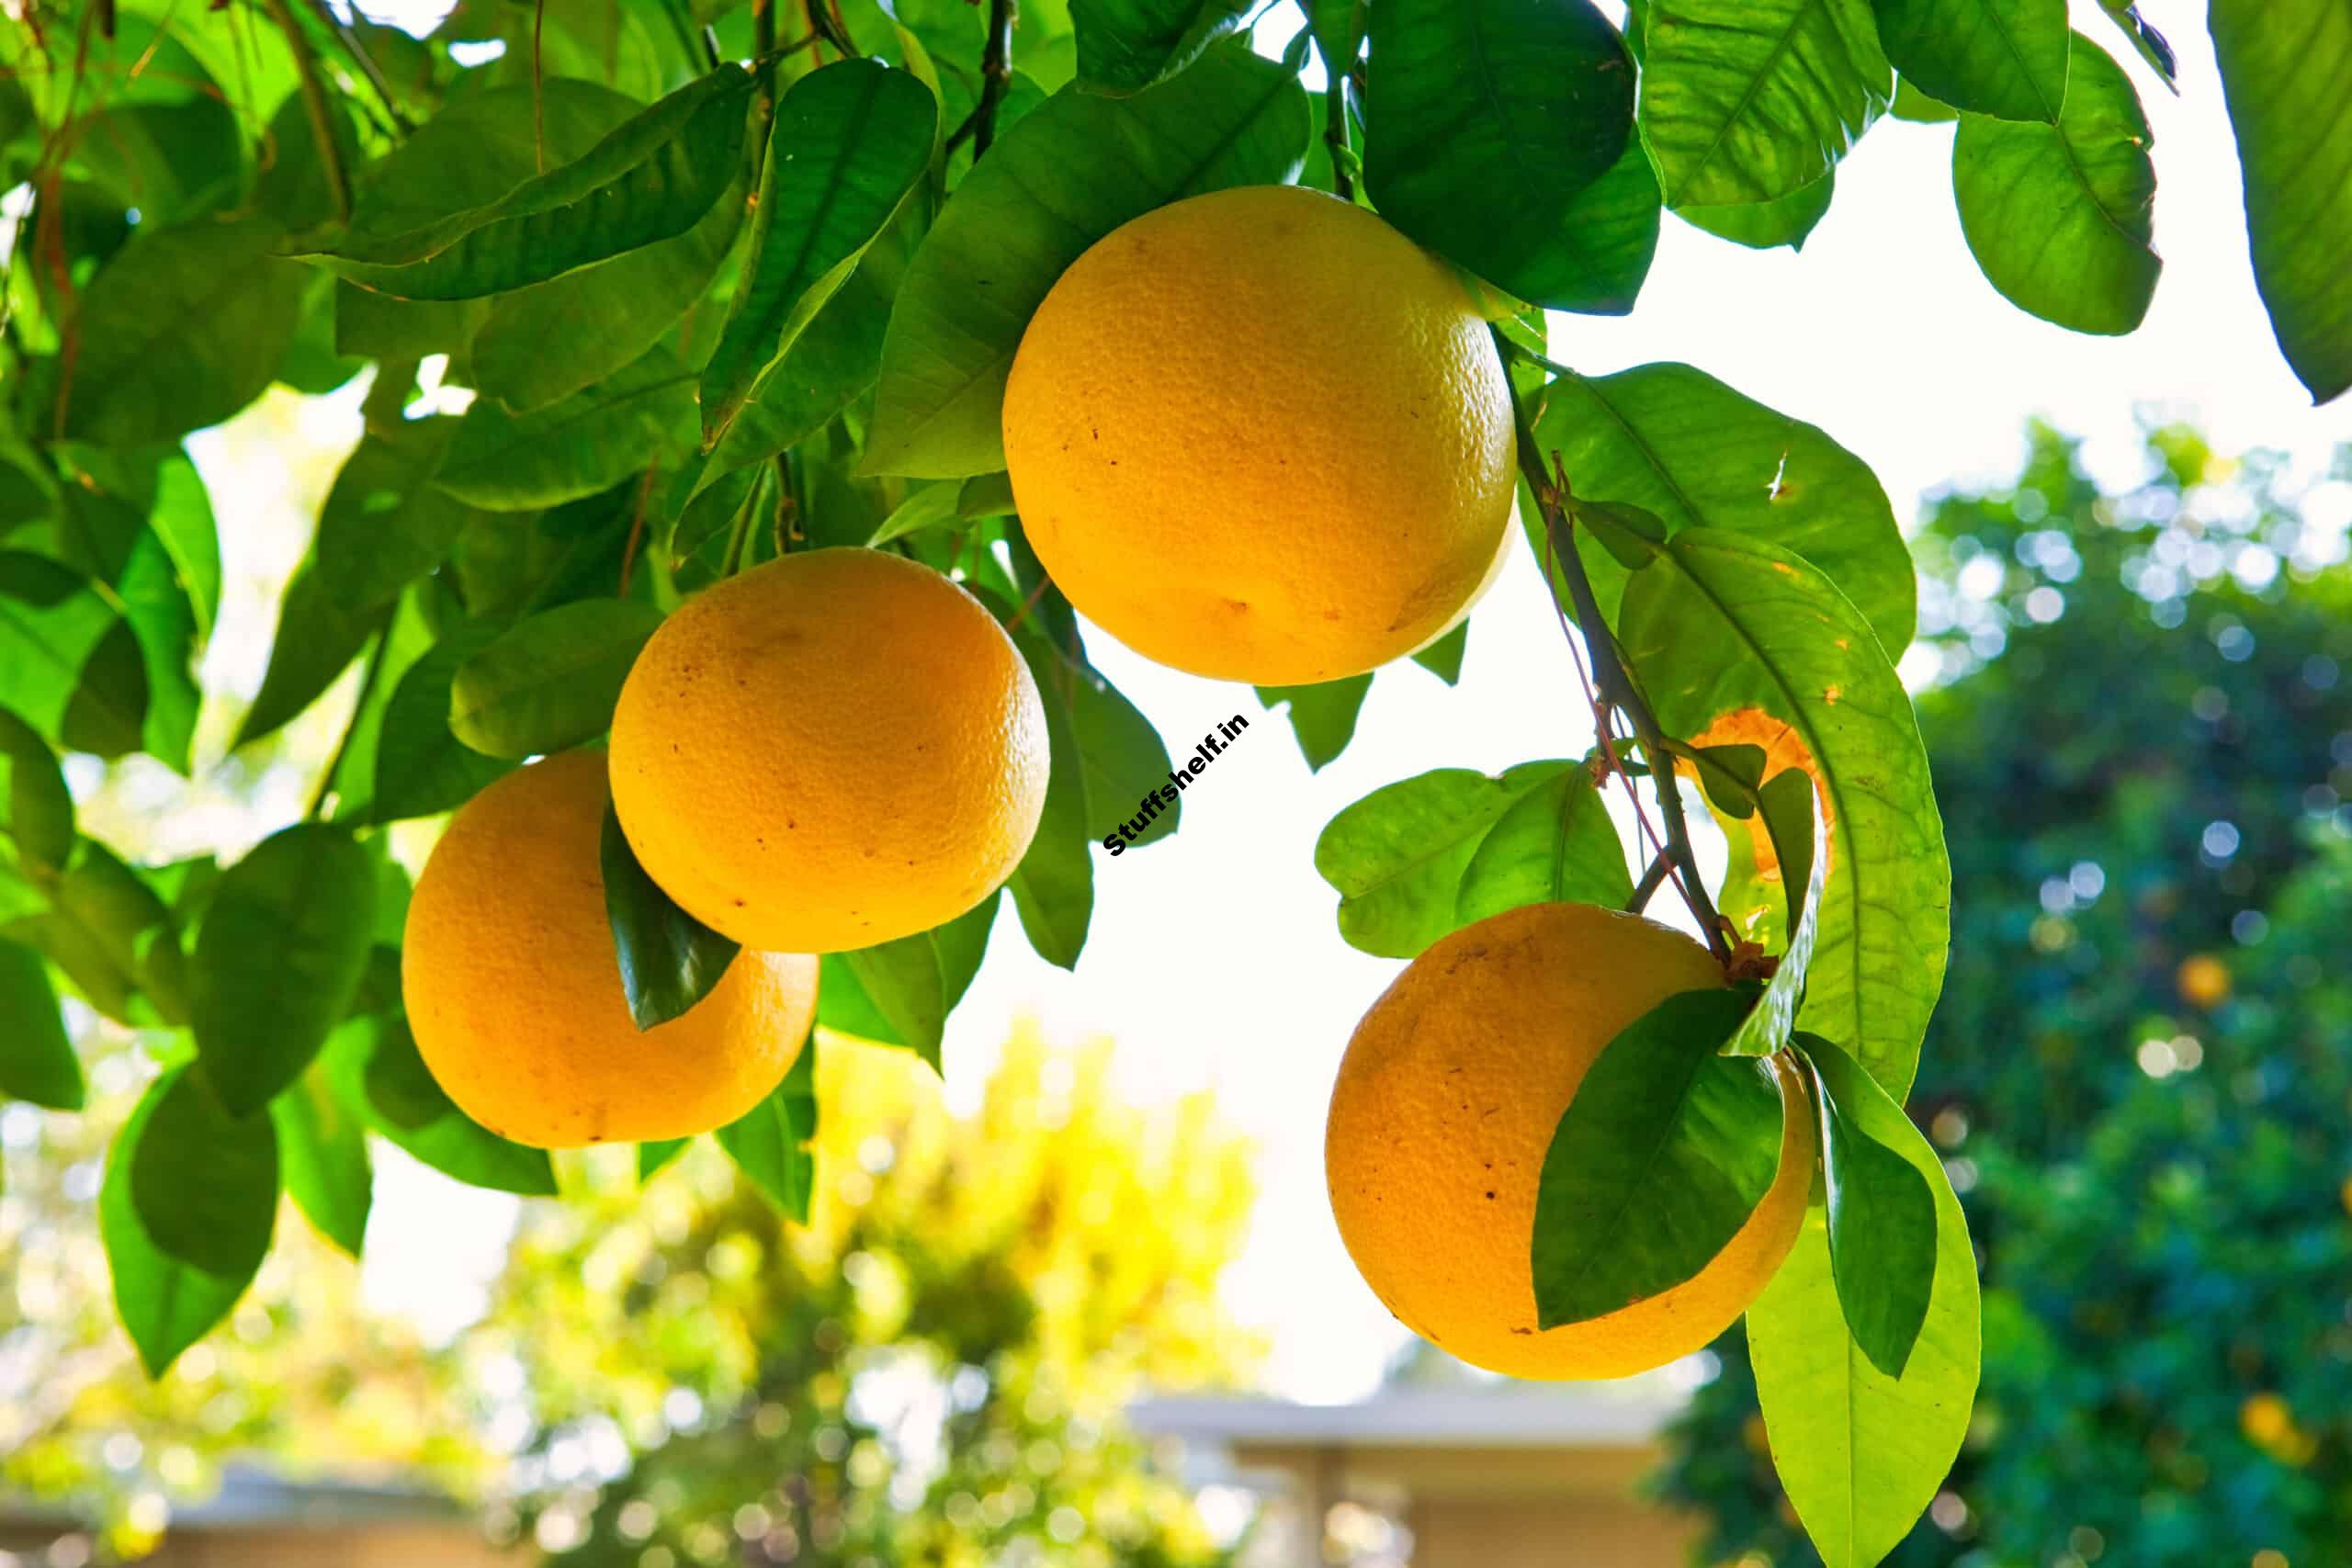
[369, 675]
[996, 74]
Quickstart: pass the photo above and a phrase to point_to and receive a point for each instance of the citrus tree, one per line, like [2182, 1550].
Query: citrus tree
[826, 363]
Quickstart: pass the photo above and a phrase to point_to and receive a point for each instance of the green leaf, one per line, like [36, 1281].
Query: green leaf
[172, 160]
[383, 525]
[183, 328]
[653, 1156]
[508, 462]
[550, 681]
[1340, 26]
[205, 1183]
[406, 639]
[1764, 224]
[900, 993]
[36, 809]
[1323, 715]
[1127, 45]
[1861, 1454]
[770, 1142]
[848, 143]
[2059, 216]
[651, 179]
[166, 1303]
[1737, 640]
[669, 961]
[1069, 173]
[2004, 58]
[2151, 45]
[54, 622]
[1485, 121]
[378, 327]
[1555, 844]
[1752, 100]
[278, 958]
[1398, 856]
[1053, 887]
[422, 769]
[113, 938]
[294, 187]
[1442, 657]
[1881, 1212]
[541, 344]
[2284, 66]
[1678, 443]
[323, 1149]
[926, 506]
[1917, 107]
[1658, 1161]
[36, 1060]
[380, 1077]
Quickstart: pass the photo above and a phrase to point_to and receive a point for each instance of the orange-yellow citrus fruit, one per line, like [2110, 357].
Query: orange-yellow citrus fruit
[1446, 1103]
[830, 750]
[1261, 436]
[514, 990]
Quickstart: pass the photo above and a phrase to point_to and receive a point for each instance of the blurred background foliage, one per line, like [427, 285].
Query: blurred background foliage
[932, 1370]
[2140, 1073]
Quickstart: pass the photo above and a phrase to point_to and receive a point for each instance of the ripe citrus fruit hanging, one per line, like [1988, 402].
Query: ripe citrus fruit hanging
[830, 750]
[1445, 1106]
[514, 994]
[1261, 436]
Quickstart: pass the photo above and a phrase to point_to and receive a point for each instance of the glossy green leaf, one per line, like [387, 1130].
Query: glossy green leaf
[1678, 443]
[769, 1142]
[926, 506]
[1127, 45]
[1882, 1211]
[2146, 41]
[2284, 67]
[651, 179]
[422, 769]
[502, 461]
[173, 160]
[383, 525]
[1752, 100]
[278, 958]
[1917, 107]
[541, 344]
[1322, 717]
[165, 1302]
[669, 961]
[1861, 1454]
[2060, 216]
[1762, 225]
[1485, 121]
[900, 993]
[36, 809]
[1053, 887]
[1398, 856]
[322, 1147]
[36, 1060]
[1066, 175]
[379, 1076]
[54, 620]
[293, 186]
[1442, 657]
[1340, 26]
[1658, 1161]
[2004, 58]
[551, 681]
[375, 326]
[182, 329]
[1736, 640]
[407, 638]
[848, 143]
[651, 1157]
[1555, 844]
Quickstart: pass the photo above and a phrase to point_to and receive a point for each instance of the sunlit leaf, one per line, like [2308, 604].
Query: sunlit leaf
[2004, 58]
[550, 681]
[668, 960]
[36, 1060]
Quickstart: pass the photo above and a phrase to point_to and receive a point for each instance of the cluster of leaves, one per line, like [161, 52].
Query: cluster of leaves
[2139, 1069]
[717, 293]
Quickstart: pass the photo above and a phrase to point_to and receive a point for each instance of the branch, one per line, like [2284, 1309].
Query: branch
[996, 74]
[315, 107]
[368, 677]
[1616, 685]
[349, 37]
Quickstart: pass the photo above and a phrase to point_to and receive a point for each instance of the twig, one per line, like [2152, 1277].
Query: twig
[352, 46]
[1652, 880]
[1335, 132]
[637, 526]
[314, 108]
[996, 75]
[787, 504]
[538, 95]
[368, 677]
[1616, 686]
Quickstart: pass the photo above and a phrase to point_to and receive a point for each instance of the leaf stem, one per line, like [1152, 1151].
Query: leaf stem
[1335, 132]
[314, 107]
[349, 37]
[996, 75]
[1616, 685]
[369, 675]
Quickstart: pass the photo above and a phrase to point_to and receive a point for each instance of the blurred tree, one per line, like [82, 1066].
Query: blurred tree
[2141, 1069]
[931, 1371]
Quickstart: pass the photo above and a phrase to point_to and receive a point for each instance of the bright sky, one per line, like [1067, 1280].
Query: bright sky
[1214, 959]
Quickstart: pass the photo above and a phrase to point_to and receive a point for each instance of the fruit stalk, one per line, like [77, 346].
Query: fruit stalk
[1617, 688]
